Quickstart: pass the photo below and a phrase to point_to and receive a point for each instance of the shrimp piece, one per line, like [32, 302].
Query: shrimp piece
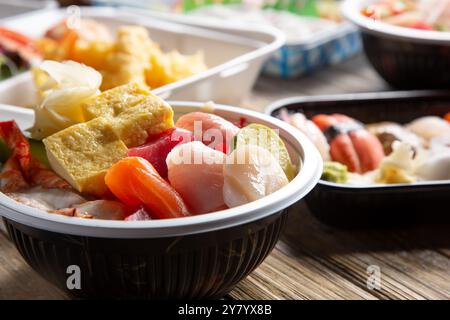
[21, 170]
[16, 141]
[11, 178]
[12, 41]
[45, 177]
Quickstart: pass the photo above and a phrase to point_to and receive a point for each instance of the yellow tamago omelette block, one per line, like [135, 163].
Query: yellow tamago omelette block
[149, 117]
[112, 102]
[133, 111]
[82, 153]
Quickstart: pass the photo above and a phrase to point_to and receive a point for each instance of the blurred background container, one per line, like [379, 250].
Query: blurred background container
[11, 8]
[316, 34]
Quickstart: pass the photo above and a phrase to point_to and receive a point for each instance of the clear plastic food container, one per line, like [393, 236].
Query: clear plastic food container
[311, 42]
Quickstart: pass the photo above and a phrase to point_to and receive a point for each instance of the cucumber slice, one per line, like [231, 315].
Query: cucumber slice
[37, 150]
[4, 152]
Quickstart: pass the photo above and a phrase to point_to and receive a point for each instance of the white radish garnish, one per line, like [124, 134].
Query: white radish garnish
[68, 85]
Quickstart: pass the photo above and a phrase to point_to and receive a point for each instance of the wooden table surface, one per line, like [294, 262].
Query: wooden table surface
[311, 261]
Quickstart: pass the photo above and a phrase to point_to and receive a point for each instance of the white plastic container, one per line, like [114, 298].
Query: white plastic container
[234, 60]
[196, 257]
[295, 57]
[302, 152]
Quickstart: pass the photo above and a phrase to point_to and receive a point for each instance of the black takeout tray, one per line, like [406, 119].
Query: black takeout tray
[379, 205]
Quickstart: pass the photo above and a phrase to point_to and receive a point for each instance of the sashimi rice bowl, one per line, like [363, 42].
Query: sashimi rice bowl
[129, 186]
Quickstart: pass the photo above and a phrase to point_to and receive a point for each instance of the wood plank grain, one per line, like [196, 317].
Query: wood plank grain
[411, 268]
[313, 261]
[18, 280]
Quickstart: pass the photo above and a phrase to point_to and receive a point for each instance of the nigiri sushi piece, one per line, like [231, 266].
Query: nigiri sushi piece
[308, 128]
[212, 130]
[350, 143]
[429, 127]
[137, 183]
[250, 173]
[437, 166]
[388, 132]
[191, 162]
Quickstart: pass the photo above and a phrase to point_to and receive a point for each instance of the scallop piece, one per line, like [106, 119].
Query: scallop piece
[195, 171]
[251, 173]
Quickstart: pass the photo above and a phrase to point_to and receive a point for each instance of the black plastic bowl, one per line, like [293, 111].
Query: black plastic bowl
[202, 256]
[378, 205]
[406, 58]
[204, 265]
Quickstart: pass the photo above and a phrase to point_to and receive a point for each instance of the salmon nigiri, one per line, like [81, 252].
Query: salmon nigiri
[350, 142]
[196, 172]
[212, 130]
[136, 182]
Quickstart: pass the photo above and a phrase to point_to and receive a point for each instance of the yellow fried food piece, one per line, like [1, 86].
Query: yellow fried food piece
[149, 117]
[82, 153]
[92, 53]
[52, 49]
[129, 58]
[87, 39]
[132, 57]
[173, 66]
[112, 102]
